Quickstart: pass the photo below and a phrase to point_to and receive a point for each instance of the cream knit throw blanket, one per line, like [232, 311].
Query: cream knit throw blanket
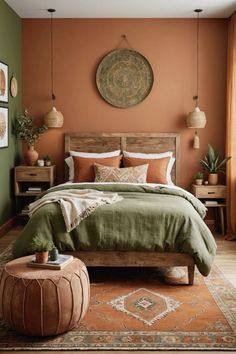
[75, 204]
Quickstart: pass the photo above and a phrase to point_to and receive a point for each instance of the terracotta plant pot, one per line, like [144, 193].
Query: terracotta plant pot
[41, 257]
[31, 156]
[213, 178]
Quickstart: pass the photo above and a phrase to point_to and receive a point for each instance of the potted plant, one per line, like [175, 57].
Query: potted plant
[26, 131]
[211, 162]
[47, 160]
[41, 247]
[199, 178]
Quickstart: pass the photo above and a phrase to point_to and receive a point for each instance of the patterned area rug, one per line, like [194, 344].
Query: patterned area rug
[143, 309]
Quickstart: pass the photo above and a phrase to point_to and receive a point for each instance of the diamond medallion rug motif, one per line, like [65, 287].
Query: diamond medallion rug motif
[145, 309]
[145, 305]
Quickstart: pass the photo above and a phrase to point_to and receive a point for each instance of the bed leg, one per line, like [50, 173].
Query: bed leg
[191, 275]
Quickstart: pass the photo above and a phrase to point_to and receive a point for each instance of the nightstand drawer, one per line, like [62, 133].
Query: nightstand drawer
[32, 173]
[209, 191]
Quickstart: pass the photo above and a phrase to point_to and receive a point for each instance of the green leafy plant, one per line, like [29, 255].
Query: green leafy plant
[40, 244]
[47, 158]
[199, 175]
[26, 131]
[211, 162]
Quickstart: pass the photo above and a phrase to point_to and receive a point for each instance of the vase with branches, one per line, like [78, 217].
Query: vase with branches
[26, 131]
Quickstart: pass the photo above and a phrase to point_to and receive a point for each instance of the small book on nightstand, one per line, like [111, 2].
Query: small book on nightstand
[211, 202]
[61, 262]
[34, 190]
[25, 211]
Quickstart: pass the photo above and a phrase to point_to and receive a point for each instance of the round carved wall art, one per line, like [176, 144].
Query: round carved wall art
[124, 78]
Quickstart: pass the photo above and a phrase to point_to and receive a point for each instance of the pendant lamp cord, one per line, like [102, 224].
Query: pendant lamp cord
[197, 55]
[52, 72]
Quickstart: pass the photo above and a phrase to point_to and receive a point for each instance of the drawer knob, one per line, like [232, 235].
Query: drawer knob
[32, 174]
[211, 193]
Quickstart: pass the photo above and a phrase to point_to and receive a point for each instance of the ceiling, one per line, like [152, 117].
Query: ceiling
[123, 8]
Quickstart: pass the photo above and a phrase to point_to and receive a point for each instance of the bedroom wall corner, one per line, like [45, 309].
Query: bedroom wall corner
[10, 53]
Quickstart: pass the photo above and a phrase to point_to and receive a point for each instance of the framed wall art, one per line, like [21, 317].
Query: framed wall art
[3, 82]
[4, 127]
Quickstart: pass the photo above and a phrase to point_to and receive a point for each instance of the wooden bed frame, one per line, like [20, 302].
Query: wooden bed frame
[135, 142]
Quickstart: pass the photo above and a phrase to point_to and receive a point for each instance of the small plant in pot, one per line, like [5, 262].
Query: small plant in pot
[199, 176]
[47, 160]
[211, 162]
[41, 247]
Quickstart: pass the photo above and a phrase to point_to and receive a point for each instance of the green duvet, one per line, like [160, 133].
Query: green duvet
[148, 218]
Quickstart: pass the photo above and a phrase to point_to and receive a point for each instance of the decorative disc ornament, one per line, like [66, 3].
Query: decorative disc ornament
[13, 86]
[124, 78]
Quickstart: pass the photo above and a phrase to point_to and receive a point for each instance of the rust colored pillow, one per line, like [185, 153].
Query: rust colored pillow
[157, 168]
[84, 170]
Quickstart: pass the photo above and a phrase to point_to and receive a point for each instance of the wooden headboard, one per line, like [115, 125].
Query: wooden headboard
[135, 142]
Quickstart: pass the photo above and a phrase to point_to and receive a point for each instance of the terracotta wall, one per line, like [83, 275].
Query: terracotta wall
[170, 47]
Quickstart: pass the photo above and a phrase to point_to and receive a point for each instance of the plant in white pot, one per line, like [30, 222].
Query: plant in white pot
[199, 176]
[211, 162]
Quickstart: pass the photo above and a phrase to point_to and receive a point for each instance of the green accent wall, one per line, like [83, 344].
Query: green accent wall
[10, 53]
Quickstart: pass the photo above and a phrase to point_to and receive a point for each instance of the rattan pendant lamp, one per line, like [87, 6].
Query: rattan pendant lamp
[54, 118]
[197, 118]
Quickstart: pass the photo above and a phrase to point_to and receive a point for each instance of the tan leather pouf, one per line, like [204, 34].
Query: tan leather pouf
[42, 302]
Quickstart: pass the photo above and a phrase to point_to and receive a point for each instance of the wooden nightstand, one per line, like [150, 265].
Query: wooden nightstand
[213, 197]
[30, 181]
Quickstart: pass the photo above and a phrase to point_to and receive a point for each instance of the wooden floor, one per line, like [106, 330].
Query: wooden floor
[225, 260]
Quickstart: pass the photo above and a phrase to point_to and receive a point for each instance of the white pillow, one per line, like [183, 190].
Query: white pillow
[70, 163]
[161, 155]
[139, 155]
[169, 169]
[95, 155]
